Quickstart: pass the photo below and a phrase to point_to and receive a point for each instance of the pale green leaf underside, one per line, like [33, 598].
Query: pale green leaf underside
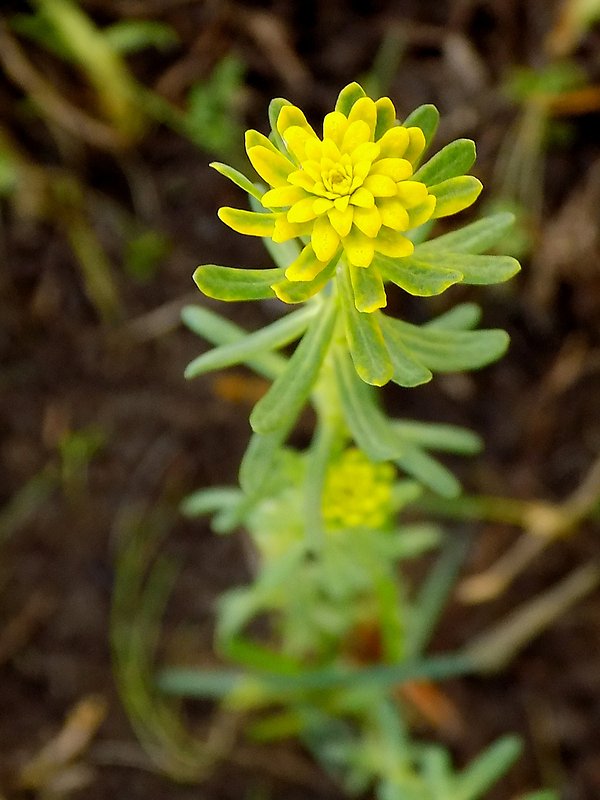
[475, 269]
[417, 276]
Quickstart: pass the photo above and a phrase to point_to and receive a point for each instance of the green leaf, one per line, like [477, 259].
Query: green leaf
[275, 107]
[348, 96]
[439, 437]
[259, 458]
[417, 276]
[367, 288]
[473, 238]
[238, 178]
[429, 471]
[462, 317]
[367, 346]
[284, 400]
[132, 35]
[197, 683]
[452, 160]
[487, 768]
[426, 117]
[279, 334]
[219, 331]
[207, 501]
[454, 195]
[232, 283]
[477, 270]
[408, 371]
[445, 350]
[368, 426]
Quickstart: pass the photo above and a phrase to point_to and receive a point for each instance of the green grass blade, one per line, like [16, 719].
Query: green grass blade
[487, 768]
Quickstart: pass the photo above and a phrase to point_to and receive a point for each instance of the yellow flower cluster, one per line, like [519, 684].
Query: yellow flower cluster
[351, 189]
[358, 492]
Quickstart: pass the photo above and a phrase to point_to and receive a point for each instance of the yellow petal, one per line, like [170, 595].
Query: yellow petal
[321, 205]
[393, 214]
[248, 222]
[394, 142]
[302, 179]
[358, 133]
[295, 139]
[365, 110]
[412, 193]
[393, 244]
[285, 230]
[283, 196]
[368, 220]
[314, 149]
[253, 138]
[368, 288]
[331, 150]
[305, 267]
[273, 167]
[363, 198]
[324, 239]
[359, 248]
[398, 169]
[421, 213]
[341, 203]
[341, 220]
[335, 125]
[380, 185]
[292, 116]
[416, 144]
[302, 211]
[368, 151]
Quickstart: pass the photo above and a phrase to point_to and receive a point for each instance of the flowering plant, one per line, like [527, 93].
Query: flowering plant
[342, 216]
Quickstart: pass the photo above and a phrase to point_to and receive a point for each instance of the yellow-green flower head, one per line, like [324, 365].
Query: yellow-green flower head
[358, 492]
[355, 191]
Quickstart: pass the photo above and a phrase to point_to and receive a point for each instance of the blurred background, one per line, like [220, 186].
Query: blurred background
[110, 111]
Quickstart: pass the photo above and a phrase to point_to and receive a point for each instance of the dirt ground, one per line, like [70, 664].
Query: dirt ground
[155, 437]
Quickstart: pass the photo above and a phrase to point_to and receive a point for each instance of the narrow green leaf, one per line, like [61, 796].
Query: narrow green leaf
[452, 160]
[197, 683]
[130, 36]
[416, 275]
[460, 318]
[454, 195]
[481, 774]
[439, 437]
[219, 331]
[482, 270]
[368, 426]
[429, 471]
[473, 238]
[275, 107]
[446, 350]
[365, 340]
[348, 96]
[426, 117]
[279, 334]
[368, 288]
[284, 400]
[207, 501]
[259, 458]
[238, 178]
[408, 371]
[232, 283]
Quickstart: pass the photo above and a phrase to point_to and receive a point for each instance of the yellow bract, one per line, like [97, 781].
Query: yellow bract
[348, 191]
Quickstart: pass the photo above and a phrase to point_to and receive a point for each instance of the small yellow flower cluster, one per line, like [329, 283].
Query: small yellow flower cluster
[352, 188]
[358, 492]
